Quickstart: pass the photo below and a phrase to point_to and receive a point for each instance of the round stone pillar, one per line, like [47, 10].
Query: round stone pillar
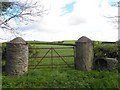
[16, 57]
[84, 54]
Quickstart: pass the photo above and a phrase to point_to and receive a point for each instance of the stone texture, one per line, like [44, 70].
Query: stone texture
[17, 57]
[105, 64]
[84, 54]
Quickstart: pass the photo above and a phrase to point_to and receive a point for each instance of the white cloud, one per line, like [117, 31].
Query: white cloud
[85, 20]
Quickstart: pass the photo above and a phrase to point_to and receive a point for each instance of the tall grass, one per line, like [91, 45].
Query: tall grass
[63, 79]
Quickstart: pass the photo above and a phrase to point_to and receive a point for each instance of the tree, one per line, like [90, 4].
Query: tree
[4, 6]
[115, 19]
[18, 12]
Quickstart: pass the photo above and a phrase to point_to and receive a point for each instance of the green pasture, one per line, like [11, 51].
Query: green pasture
[51, 56]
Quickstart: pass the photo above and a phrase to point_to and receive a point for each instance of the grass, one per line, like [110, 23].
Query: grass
[59, 77]
[63, 79]
[69, 42]
[58, 52]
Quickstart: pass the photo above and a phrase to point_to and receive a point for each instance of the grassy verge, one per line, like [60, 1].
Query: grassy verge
[63, 79]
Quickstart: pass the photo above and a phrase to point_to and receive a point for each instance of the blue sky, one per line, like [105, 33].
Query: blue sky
[71, 19]
[113, 2]
[68, 8]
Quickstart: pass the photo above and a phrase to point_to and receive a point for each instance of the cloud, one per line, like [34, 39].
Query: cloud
[108, 10]
[86, 19]
[75, 20]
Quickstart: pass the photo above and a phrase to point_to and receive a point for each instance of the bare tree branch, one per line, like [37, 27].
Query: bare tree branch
[21, 12]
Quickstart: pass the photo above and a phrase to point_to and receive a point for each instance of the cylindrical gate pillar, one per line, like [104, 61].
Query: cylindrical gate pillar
[16, 57]
[84, 54]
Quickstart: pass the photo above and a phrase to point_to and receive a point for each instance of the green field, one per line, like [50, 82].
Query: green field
[55, 75]
[52, 56]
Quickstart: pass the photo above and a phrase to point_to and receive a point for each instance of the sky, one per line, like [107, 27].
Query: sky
[72, 19]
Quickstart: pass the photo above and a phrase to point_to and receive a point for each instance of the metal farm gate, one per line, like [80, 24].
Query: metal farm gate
[53, 57]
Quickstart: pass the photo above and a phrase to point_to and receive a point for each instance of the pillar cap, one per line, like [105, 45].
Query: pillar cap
[18, 40]
[83, 39]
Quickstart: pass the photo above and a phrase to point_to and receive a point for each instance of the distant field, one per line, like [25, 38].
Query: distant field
[67, 42]
[54, 57]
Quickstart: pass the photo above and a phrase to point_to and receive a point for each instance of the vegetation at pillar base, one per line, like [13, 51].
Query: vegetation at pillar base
[66, 78]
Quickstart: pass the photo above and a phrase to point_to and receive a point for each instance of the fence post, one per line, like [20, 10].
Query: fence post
[84, 54]
[16, 57]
